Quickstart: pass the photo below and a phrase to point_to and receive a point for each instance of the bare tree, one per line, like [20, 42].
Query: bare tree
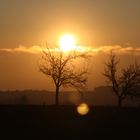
[59, 66]
[123, 84]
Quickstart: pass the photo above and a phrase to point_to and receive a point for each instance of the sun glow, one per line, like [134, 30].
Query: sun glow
[67, 43]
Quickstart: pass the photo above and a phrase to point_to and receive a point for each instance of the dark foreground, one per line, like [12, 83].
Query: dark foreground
[63, 122]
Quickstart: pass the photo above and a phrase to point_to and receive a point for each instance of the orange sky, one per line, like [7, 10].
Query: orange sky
[100, 24]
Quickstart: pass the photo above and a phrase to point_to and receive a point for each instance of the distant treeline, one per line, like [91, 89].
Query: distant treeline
[99, 96]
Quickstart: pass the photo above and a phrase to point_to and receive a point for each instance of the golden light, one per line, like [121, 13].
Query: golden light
[83, 109]
[67, 42]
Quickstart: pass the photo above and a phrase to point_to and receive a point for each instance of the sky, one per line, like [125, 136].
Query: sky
[27, 24]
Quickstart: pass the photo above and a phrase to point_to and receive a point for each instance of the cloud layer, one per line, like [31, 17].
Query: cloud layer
[117, 49]
[23, 49]
[96, 50]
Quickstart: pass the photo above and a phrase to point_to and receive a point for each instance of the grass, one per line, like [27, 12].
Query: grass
[54, 122]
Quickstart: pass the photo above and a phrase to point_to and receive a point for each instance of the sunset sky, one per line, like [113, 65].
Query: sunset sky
[101, 24]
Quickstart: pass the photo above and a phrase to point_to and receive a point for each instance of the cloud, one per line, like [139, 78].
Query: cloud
[95, 50]
[117, 49]
[21, 48]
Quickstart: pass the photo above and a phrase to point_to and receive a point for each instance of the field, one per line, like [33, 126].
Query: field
[63, 122]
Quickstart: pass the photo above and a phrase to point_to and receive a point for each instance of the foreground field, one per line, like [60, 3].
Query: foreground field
[63, 122]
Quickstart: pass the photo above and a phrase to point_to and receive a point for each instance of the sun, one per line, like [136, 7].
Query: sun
[67, 42]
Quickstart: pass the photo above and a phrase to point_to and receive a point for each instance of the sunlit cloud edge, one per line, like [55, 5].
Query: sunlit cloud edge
[94, 50]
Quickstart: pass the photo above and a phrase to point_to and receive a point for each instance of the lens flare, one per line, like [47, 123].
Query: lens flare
[83, 109]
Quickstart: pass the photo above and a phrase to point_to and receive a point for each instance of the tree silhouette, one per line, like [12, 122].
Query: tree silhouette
[125, 84]
[60, 66]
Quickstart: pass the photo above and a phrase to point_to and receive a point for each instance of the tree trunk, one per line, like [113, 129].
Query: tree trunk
[56, 97]
[119, 102]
